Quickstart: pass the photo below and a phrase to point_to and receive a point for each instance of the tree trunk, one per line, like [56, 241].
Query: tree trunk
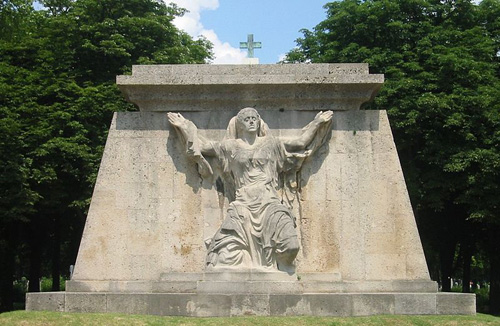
[7, 260]
[494, 244]
[35, 270]
[446, 257]
[56, 254]
[452, 226]
[467, 261]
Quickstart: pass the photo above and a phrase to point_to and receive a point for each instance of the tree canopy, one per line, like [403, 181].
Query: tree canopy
[57, 96]
[441, 63]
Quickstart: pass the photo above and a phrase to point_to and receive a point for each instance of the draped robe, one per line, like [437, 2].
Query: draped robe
[259, 230]
[258, 226]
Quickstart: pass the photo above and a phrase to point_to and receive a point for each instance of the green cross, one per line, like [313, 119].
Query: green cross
[250, 45]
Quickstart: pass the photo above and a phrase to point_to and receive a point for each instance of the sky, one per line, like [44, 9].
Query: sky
[226, 23]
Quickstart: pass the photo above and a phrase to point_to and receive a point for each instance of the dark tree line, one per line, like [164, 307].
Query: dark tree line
[57, 96]
[442, 93]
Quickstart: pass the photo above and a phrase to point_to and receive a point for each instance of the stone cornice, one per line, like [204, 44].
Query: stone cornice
[230, 87]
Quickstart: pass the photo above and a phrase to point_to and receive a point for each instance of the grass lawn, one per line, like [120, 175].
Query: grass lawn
[64, 319]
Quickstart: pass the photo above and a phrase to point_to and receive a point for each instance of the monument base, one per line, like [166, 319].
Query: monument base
[220, 305]
[254, 292]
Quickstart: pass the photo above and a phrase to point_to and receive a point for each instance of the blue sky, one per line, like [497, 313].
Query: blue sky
[275, 23]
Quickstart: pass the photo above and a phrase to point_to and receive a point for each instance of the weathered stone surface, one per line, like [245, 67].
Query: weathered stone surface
[330, 305]
[171, 305]
[252, 283]
[211, 305]
[129, 304]
[163, 236]
[51, 301]
[85, 302]
[415, 304]
[175, 286]
[373, 304]
[456, 304]
[225, 87]
[250, 305]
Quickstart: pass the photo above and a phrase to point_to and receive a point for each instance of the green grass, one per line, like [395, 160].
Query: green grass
[24, 318]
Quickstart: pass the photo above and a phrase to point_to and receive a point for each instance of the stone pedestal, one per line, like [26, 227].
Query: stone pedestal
[143, 248]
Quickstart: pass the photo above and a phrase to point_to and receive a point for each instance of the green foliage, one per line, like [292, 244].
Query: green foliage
[442, 90]
[20, 289]
[46, 284]
[57, 97]
[482, 299]
[13, 14]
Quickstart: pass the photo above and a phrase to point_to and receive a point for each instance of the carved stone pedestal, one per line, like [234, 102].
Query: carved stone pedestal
[143, 250]
[240, 293]
[220, 305]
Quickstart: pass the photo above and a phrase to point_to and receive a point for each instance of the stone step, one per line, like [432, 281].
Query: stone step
[188, 283]
[212, 305]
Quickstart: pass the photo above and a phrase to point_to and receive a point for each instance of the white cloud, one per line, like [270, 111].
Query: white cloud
[224, 53]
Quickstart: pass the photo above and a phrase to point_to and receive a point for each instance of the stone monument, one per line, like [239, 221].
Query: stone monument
[251, 189]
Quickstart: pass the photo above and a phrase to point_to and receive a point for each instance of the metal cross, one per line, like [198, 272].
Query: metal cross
[250, 45]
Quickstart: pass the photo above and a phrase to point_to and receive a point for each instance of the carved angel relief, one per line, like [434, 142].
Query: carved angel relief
[259, 230]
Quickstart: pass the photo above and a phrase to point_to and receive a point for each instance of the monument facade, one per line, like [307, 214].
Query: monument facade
[251, 189]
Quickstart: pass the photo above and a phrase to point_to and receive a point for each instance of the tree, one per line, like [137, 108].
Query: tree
[16, 199]
[57, 96]
[440, 59]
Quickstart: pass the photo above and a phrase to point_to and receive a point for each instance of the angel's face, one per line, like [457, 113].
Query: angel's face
[249, 120]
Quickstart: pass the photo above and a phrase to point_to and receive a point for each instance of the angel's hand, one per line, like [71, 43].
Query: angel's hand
[176, 119]
[323, 117]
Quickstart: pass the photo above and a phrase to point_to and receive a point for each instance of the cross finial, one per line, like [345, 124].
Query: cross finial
[250, 45]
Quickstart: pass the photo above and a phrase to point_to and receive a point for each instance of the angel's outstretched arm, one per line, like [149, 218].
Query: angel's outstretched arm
[196, 144]
[308, 133]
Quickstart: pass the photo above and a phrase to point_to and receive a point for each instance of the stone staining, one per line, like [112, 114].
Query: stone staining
[259, 229]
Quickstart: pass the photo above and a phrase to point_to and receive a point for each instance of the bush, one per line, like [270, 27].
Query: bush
[46, 284]
[20, 288]
[482, 299]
